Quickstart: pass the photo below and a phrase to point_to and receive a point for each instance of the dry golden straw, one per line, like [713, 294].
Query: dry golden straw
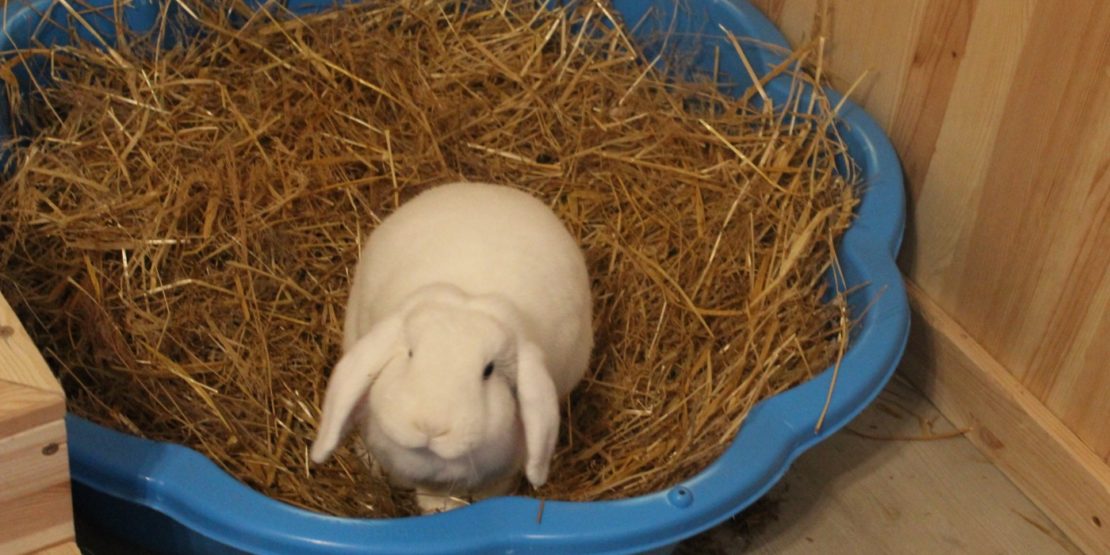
[179, 228]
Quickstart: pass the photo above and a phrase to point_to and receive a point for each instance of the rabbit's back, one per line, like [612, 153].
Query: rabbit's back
[484, 239]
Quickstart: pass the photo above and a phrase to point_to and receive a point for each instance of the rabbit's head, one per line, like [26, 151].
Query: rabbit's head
[448, 394]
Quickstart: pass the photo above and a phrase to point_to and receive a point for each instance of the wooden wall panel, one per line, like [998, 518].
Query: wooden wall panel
[866, 36]
[1031, 263]
[945, 194]
[1011, 427]
[1000, 111]
[930, 76]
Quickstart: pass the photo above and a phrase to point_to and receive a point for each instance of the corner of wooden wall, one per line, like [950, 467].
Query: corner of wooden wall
[1044, 458]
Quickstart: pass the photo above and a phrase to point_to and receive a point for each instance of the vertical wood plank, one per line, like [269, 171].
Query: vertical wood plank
[944, 205]
[872, 36]
[1000, 111]
[1037, 250]
[937, 54]
[1083, 398]
[772, 9]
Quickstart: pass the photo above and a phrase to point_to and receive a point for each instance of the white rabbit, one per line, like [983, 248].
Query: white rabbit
[469, 319]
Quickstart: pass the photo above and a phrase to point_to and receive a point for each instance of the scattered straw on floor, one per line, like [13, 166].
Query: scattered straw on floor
[179, 231]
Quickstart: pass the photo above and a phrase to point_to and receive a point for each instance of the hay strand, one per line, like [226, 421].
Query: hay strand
[178, 229]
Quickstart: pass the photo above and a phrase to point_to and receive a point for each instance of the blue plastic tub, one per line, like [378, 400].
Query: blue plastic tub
[172, 499]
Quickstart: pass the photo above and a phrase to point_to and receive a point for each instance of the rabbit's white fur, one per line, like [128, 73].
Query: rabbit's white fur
[460, 276]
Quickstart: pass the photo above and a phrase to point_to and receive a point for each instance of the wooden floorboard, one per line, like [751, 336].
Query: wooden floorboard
[870, 489]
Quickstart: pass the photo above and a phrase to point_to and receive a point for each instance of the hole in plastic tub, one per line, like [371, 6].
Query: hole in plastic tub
[680, 497]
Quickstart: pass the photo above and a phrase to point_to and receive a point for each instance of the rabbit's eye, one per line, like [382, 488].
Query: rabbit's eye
[487, 371]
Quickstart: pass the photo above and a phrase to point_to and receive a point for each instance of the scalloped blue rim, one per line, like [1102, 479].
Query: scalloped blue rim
[122, 480]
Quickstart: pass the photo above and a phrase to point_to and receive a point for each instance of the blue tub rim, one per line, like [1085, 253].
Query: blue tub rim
[157, 475]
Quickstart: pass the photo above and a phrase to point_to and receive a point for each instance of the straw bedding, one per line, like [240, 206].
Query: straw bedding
[178, 230]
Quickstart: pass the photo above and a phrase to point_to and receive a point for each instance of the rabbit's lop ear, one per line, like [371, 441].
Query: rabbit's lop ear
[350, 382]
[539, 412]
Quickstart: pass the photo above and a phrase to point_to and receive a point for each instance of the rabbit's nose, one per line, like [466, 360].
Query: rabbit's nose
[431, 429]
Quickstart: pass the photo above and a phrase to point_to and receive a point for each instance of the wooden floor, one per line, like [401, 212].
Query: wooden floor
[875, 487]
[872, 489]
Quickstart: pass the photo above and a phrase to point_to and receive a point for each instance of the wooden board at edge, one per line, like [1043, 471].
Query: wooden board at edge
[20, 361]
[1045, 459]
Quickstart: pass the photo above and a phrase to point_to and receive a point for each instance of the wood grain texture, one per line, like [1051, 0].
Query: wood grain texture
[999, 110]
[1031, 271]
[927, 86]
[33, 459]
[880, 486]
[20, 360]
[67, 548]
[23, 408]
[36, 522]
[35, 504]
[1058, 472]
[876, 36]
